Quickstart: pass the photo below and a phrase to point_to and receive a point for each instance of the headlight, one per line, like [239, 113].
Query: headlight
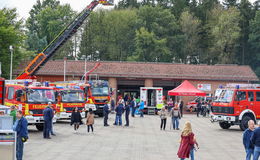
[92, 106]
[31, 112]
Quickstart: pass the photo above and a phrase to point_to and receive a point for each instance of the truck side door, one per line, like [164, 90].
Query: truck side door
[242, 102]
[251, 101]
[257, 105]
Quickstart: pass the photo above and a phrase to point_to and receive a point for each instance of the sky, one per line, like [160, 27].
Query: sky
[24, 6]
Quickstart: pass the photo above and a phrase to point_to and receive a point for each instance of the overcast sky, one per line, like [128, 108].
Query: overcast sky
[24, 6]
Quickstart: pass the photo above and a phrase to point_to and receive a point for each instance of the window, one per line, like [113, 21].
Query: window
[257, 96]
[251, 96]
[10, 93]
[241, 95]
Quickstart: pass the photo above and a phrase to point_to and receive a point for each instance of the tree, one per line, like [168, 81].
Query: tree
[190, 27]
[226, 33]
[47, 19]
[230, 3]
[254, 41]
[11, 34]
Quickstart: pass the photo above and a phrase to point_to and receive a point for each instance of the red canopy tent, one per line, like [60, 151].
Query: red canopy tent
[186, 89]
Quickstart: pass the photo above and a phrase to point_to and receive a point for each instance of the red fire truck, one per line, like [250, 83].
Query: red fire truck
[69, 96]
[31, 99]
[236, 104]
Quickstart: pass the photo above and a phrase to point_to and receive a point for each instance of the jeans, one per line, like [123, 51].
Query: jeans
[141, 113]
[19, 148]
[249, 153]
[105, 118]
[133, 111]
[90, 126]
[256, 153]
[175, 122]
[127, 119]
[191, 154]
[118, 118]
[46, 129]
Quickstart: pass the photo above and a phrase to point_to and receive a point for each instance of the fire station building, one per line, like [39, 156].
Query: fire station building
[128, 77]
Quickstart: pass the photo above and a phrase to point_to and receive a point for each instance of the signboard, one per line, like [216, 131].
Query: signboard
[204, 87]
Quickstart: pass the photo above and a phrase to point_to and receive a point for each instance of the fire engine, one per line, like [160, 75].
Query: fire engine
[236, 104]
[69, 96]
[31, 98]
[97, 93]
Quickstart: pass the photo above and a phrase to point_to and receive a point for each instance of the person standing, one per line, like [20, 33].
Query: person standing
[170, 105]
[90, 120]
[133, 105]
[181, 107]
[163, 116]
[113, 104]
[47, 116]
[249, 148]
[20, 126]
[106, 112]
[175, 114]
[119, 112]
[141, 108]
[51, 131]
[75, 119]
[13, 113]
[127, 112]
[255, 140]
[198, 108]
[187, 143]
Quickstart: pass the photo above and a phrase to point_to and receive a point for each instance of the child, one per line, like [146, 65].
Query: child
[163, 116]
[76, 119]
[90, 120]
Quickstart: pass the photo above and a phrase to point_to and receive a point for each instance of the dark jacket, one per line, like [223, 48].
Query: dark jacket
[255, 139]
[112, 103]
[47, 114]
[76, 118]
[21, 128]
[119, 109]
[132, 105]
[246, 139]
[106, 109]
[127, 109]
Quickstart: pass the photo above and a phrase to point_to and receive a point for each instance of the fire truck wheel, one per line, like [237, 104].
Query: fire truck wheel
[224, 125]
[244, 122]
[39, 127]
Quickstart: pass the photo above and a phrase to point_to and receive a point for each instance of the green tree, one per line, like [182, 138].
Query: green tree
[190, 27]
[254, 40]
[47, 19]
[230, 3]
[225, 35]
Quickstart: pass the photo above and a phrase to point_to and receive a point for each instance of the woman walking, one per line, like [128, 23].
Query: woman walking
[90, 120]
[76, 119]
[163, 116]
[188, 140]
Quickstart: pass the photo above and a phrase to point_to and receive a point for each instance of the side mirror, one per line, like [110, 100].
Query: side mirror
[19, 94]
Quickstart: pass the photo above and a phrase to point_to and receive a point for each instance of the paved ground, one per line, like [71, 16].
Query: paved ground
[142, 141]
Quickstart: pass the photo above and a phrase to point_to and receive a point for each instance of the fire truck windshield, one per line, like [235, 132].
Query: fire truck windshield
[73, 96]
[225, 96]
[99, 91]
[40, 96]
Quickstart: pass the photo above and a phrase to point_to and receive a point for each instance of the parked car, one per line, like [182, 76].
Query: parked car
[192, 105]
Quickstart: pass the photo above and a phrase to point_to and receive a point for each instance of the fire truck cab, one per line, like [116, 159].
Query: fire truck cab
[31, 99]
[236, 105]
[69, 96]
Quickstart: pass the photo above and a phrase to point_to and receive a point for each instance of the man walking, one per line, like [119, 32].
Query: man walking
[133, 105]
[47, 116]
[20, 127]
[106, 112]
[255, 139]
[249, 148]
[127, 112]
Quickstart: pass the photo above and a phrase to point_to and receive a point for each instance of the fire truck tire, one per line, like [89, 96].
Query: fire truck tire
[39, 127]
[244, 122]
[224, 125]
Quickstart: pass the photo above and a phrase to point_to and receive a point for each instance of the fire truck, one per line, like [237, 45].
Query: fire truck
[236, 104]
[31, 98]
[97, 94]
[69, 96]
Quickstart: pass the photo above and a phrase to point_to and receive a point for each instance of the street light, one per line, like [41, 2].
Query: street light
[11, 65]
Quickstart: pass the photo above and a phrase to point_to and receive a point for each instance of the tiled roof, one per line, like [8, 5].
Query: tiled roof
[151, 70]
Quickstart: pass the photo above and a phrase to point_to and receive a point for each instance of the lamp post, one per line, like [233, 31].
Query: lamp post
[11, 65]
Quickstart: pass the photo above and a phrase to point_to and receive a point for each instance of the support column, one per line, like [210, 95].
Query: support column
[148, 83]
[113, 84]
